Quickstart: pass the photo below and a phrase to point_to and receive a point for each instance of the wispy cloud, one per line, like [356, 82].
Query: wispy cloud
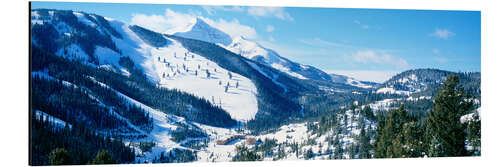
[234, 28]
[213, 9]
[378, 58]
[442, 33]
[172, 22]
[270, 28]
[318, 42]
[363, 26]
[277, 12]
[256, 11]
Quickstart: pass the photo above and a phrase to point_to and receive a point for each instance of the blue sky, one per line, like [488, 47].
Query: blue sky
[368, 44]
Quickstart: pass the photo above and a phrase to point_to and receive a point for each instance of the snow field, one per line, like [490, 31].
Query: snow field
[176, 68]
[56, 121]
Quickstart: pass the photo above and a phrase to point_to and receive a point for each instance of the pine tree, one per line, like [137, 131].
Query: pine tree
[365, 145]
[389, 140]
[309, 154]
[446, 132]
[103, 157]
[59, 156]
[474, 134]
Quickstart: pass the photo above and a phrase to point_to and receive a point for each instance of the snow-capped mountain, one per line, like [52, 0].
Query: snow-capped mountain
[163, 60]
[257, 52]
[336, 78]
[426, 81]
[203, 31]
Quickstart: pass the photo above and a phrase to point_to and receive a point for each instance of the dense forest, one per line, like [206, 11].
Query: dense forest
[54, 145]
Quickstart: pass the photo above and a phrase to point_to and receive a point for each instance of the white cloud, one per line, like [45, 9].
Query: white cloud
[323, 43]
[363, 26]
[172, 22]
[212, 9]
[270, 28]
[160, 22]
[366, 75]
[378, 58]
[276, 12]
[442, 33]
[233, 28]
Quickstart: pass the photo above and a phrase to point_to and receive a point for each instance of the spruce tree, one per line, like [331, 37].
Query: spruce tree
[474, 134]
[446, 132]
[59, 156]
[103, 157]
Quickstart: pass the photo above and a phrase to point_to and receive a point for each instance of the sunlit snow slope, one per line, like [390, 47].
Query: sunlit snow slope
[192, 73]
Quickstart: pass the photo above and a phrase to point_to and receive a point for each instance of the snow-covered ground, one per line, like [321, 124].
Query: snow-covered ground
[470, 117]
[274, 78]
[252, 50]
[40, 115]
[382, 104]
[353, 82]
[412, 78]
[386, 90]
[163, 125]
[214, 152]
[177, 68]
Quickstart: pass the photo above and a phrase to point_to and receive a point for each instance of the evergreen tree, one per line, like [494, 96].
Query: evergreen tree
[309, 154]
[365, 145]
[243, 153]
[474, 134]
[446, 131]
[59, 156]
[389, 140]
[103, 157]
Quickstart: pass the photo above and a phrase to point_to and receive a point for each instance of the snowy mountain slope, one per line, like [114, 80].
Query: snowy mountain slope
[203, 31]
[256, 52]
[164, 124]
[144, 47]
[136, 130]
[426, 82]
[192, 73]
[181, 72]
[125, 41]
[351, 81]
[40, 115]
[269, 93]
[56, 31]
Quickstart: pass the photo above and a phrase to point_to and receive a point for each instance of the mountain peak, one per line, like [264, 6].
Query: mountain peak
[203, 31]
